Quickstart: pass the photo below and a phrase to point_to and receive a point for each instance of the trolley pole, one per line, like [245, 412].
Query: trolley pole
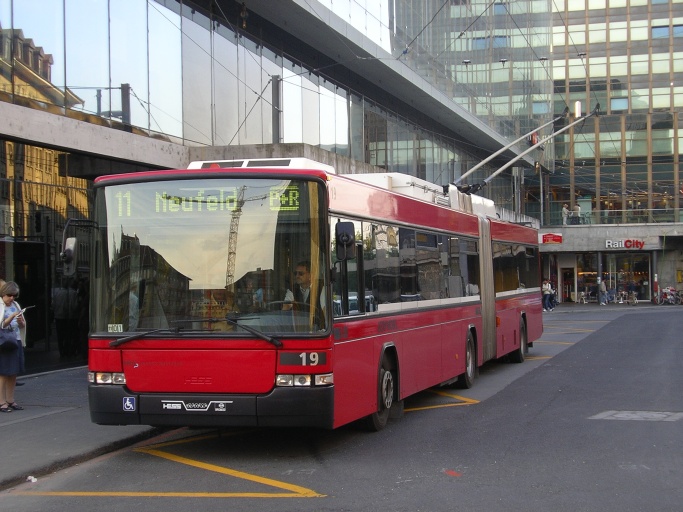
[470, 189]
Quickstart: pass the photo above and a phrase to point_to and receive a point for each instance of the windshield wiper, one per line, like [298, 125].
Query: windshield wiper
[144, 334]
[140, 335]
[176, 330]
[255, 332]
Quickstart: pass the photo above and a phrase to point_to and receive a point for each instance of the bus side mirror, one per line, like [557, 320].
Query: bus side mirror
[68, 256]
[346, 240]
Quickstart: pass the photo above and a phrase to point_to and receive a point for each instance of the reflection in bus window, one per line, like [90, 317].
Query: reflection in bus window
[234, 245]
[384, 269]
[464, 264]
[514, 267]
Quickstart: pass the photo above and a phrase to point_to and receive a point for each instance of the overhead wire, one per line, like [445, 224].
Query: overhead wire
[259, 95]
[596, 140]
[423, 29]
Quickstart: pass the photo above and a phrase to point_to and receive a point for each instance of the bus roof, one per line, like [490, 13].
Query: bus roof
[393, 181]
[403, 184]
[424, 190]
[296, 163]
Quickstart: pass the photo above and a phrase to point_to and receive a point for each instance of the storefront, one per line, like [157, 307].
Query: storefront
[628, 260]
[622, 272]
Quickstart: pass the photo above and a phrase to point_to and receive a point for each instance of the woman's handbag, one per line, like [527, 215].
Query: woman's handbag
[8, 340]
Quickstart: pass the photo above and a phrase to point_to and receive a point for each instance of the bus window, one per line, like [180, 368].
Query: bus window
[463, 267]
[348, 278]
[383, 269]
[206, 250]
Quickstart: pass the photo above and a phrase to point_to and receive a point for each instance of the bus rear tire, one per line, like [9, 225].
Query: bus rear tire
[466, 380]
[378, 420]
[519, 355]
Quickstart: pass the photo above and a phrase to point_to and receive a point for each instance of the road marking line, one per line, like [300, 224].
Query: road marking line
[564, 330]
[117, 494]
[638, 416]
[582, 321]
[440, 406]
[463, 401]
[295, 491]
[468, 401]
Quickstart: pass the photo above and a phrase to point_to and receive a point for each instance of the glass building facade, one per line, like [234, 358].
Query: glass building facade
[622, 166]
[223, 74]
[189, 73]
[620, 170]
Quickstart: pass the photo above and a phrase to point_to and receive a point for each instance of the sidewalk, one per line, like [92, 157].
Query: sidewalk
[54, 430]
[612, 306]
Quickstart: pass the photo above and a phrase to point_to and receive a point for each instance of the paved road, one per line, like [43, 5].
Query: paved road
[591, 422]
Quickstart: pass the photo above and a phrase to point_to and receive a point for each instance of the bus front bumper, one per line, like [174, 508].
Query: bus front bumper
[282, 407]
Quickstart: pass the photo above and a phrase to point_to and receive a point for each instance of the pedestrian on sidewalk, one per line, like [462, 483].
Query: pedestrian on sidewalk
[547, 291]
[11, 363]
[603, 293]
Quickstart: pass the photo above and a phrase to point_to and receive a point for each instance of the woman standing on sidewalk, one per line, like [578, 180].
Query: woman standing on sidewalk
[11, 363]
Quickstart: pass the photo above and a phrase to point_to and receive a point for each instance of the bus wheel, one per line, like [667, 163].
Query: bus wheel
[466, 380]
[518, 355]
[378, 420]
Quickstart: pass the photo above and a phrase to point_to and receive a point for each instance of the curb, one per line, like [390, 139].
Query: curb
[68, 462]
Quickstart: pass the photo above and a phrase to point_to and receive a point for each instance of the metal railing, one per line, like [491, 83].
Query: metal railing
[640, 216]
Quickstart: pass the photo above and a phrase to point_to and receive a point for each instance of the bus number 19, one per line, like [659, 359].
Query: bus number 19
[309, 358]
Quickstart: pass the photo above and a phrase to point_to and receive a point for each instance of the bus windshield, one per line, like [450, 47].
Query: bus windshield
[209, 255]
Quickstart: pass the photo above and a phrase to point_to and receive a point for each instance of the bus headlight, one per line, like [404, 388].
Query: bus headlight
[285, 380]
[106, 378]
[302, 380]
[327, 379]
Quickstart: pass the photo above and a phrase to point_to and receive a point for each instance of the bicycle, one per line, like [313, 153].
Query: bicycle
[667, 295]
[632, 298]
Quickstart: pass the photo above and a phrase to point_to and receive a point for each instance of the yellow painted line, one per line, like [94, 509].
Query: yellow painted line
[441, 406]
[558, 324]
[537, 358]
[564, 330]
[294, 491]
[451, 395]
[550, 342]
[186, 440]
[463, 401]
[297, 490]
[118, 494]
[558, 321]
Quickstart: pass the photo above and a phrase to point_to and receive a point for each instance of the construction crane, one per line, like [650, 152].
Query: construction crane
[232, 239]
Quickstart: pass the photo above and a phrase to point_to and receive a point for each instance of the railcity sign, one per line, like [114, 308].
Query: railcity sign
[624, 244]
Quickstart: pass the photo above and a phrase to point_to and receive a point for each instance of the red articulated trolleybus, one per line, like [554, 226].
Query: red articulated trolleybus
[278, 293]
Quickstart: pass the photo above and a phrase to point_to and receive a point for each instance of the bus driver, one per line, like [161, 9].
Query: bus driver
[302, 288]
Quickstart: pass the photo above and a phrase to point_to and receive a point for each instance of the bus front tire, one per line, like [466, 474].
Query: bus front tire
[378, 420]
